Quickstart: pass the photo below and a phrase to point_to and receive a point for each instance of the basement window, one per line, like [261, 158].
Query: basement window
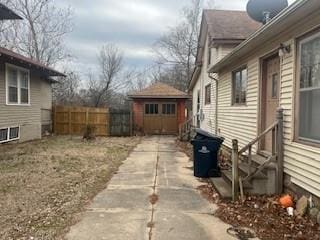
[9, 134]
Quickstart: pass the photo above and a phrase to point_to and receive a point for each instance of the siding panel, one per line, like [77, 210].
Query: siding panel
[28, 117]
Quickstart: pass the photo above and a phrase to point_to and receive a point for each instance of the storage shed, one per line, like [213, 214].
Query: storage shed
[158, 109]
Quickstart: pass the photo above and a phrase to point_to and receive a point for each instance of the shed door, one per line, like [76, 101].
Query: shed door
[271, 85]
[160, 118]
[169, 118]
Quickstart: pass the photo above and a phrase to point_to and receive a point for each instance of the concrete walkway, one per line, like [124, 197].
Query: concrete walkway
[123, 211]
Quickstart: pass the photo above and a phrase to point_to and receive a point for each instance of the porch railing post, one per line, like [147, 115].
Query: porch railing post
[235, 170]
[279, 143]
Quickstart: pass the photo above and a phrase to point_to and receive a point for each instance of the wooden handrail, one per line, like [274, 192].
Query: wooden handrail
[277, 154]
[269, 129]
[186, 127]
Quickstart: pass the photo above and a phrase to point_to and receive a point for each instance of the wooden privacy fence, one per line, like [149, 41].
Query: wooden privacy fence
[74, 120]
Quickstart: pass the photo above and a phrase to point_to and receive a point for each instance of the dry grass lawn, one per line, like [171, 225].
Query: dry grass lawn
[44, 184]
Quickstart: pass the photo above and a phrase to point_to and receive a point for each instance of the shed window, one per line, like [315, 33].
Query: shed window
[239, 86]
[309, 89]
[18, 85]
[151, 108]
[169, 109]
[208, 94]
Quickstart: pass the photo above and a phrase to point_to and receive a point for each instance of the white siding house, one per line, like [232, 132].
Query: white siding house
[215, 42]
[281, 62]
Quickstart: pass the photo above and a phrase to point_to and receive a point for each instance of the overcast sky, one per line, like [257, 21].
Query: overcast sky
[134, 25]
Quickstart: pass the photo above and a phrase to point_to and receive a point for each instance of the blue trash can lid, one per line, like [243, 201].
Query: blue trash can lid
[207, 134]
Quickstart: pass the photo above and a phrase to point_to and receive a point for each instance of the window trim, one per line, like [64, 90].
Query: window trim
[296, 136]
[7, 66]
[205, 94]
[169, 103]
[8, 134]
[209, 60]
[151, 114]
[240, 69]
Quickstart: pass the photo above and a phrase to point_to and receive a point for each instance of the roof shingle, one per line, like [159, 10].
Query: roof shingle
[159, 90]
[225, 24]
[18, 57]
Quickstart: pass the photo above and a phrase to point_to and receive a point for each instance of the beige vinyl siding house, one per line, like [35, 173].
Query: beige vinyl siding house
[215, 42]
[244, 122]
[32, 115]
[25, 93]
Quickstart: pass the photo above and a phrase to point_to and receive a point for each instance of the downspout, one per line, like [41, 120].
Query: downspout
[216, 100]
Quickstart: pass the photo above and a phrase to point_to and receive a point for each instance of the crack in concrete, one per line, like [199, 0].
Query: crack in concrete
[151, 223]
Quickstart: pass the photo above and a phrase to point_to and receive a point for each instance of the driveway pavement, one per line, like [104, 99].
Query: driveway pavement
[124, 211]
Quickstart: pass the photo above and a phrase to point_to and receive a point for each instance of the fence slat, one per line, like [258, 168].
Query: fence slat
[73, 120]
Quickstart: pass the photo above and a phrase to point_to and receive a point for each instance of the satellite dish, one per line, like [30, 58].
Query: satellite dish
[264, 10]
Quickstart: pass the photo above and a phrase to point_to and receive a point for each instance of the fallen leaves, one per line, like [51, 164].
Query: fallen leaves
[43, 184]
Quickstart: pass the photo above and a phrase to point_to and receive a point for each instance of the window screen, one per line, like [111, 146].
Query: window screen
[309, 112]
[3, 134]
[18, 85]
[208, 94]
[14, 133]
[239, 86]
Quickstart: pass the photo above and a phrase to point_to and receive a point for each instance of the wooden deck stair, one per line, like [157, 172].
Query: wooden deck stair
[258, 184]
[259, 173]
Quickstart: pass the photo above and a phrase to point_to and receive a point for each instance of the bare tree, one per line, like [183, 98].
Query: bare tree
[177, 49]
[66, 90]
[40, 35]
[111, 64]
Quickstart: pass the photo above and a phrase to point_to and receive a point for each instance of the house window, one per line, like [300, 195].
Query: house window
[151, 108]
[169, 109]
[18, 85]
[9, 134]
[209, 56]
[239, 86]
[309, 89]
[207, 97]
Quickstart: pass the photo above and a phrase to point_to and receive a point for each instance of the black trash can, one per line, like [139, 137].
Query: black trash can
[205, 154]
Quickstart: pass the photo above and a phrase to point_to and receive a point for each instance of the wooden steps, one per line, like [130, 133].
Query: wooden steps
[257, 185]
[222, 187]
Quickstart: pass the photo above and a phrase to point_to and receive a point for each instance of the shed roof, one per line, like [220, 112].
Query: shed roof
[7, 14]
[226, 24]
[159, 90]
[47, 71]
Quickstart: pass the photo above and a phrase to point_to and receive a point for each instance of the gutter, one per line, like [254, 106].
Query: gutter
[216, 107]
[276, 20]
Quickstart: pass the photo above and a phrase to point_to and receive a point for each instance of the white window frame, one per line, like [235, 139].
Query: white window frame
[297, 136]
[8, 65]
[8, 134]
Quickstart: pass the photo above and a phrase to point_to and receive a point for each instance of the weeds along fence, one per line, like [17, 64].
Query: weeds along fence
[106, 122]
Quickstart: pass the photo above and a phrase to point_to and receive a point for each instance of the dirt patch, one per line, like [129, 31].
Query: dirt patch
[153, 199]
[264, 215]
[44, 184]
[187, 148]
